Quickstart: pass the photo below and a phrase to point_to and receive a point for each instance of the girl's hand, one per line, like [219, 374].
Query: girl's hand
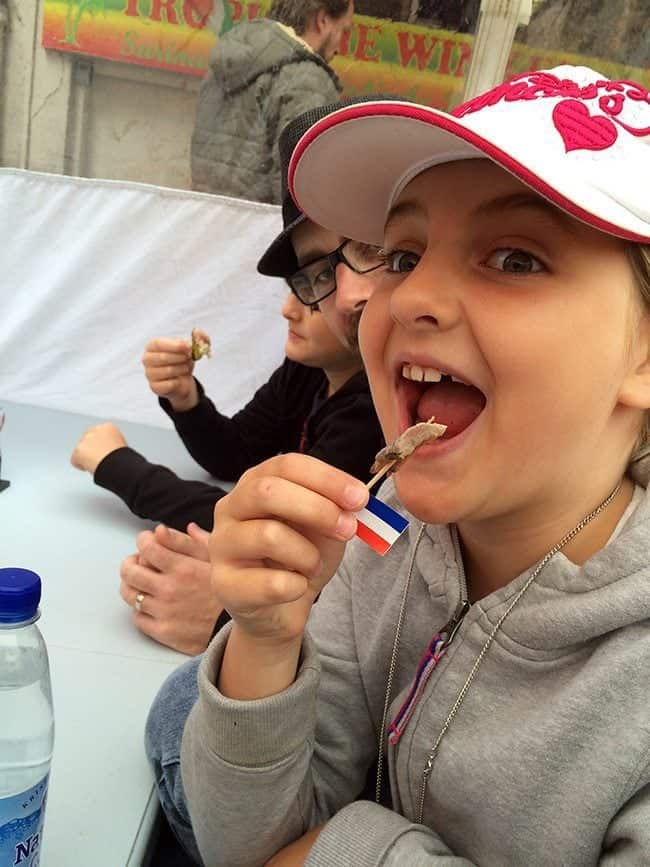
[278, 538]
[168, 367]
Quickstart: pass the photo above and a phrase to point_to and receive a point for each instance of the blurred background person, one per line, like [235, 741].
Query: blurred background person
[261, 75]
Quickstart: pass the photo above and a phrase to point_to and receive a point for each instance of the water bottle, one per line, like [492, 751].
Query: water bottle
[26, 719]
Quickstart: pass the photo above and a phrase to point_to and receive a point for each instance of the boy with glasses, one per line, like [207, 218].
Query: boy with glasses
[310, 404]
[301, 408]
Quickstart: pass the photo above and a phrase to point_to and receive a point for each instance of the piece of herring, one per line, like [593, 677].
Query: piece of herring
[406, 443]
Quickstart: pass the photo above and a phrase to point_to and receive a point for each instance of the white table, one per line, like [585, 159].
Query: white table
[105, 674]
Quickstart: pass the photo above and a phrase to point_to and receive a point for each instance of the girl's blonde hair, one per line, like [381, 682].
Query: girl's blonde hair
[639, 256]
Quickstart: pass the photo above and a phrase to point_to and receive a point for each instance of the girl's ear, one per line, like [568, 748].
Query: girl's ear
[635, 388]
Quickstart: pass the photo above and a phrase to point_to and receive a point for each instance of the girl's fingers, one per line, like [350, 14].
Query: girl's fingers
[248, 592]
[258, 541]
[282, 502]
[277, 539]
[296, 487]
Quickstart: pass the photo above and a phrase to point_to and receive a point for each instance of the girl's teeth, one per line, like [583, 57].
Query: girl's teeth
[420, 374]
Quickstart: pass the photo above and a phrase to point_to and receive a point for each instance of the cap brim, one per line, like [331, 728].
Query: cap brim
[279, 260]
[349, 168]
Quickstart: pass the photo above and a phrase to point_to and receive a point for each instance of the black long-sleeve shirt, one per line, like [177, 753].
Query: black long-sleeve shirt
[289, 413]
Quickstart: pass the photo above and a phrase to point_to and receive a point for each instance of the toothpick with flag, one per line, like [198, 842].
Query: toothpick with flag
[377, 524]
[380, 526]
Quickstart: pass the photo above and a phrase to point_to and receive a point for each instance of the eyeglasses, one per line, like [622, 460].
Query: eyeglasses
[317, 279]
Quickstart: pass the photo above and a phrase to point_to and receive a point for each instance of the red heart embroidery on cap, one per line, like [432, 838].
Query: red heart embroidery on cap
[581, 130]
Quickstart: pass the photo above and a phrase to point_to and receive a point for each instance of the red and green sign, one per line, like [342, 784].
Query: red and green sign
[379, 56]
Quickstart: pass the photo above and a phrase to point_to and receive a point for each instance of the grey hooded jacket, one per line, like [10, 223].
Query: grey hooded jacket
[546, 763]
[259, 78]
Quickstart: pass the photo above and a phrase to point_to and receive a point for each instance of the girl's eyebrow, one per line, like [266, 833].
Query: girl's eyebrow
[495, 207]
[402, 210]
[529, 202]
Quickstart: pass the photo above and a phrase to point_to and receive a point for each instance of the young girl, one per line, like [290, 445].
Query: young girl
[498, 655]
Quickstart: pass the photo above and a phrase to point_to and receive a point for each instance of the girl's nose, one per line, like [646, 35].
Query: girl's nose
[428, 296]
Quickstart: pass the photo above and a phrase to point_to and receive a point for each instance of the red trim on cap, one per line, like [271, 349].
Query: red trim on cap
[449, 124]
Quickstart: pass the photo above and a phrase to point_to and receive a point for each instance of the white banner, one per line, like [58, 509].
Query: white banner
[91, 270]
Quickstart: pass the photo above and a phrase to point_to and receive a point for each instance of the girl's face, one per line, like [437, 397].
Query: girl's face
[311, 341]
[534, 315]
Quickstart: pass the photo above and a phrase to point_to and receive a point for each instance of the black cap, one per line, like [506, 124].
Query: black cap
[279, 260]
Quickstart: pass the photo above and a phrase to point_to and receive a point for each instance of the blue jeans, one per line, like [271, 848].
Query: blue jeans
[162, 739]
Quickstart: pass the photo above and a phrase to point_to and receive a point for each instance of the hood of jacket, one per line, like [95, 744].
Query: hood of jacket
[254, 48]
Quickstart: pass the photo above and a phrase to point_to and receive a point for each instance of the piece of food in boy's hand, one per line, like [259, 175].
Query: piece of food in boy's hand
[406, 443]
[200, 344]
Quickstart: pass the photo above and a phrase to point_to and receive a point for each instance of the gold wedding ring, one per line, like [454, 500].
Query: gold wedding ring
[139, 599]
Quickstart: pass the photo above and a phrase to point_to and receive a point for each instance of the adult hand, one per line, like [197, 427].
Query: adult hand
[278, 538]
[295, 854]
[95, 444]
[168, 367]
[172, 571]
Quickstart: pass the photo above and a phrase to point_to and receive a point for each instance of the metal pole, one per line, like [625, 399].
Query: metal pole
[495, 33]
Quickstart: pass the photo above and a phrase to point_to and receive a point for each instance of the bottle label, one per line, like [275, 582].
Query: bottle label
[21, 827]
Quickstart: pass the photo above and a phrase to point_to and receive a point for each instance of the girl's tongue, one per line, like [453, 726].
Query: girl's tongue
[452, 403]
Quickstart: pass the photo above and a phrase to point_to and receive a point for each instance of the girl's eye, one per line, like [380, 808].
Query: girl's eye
[400, 261]
[513, 261]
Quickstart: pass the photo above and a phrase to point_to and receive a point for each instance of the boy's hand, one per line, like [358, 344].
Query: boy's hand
[168, 367]
[278, 538]
[95, 444]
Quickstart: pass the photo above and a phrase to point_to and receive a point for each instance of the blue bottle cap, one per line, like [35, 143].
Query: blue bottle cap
[20, 593]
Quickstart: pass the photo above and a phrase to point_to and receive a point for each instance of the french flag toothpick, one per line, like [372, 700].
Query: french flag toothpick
[379, 526]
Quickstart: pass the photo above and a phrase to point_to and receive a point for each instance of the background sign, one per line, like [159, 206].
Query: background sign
[379, 56]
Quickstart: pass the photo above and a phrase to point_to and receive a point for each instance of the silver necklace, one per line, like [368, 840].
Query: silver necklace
[428, 768]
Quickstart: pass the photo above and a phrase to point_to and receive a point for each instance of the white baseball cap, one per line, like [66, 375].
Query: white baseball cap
[576, 138]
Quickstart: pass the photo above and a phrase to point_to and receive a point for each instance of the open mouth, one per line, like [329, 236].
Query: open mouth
[427, 391]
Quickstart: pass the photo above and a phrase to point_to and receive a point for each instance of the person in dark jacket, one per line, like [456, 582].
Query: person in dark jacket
[316, 402]
[167, 581]
[261, 75]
